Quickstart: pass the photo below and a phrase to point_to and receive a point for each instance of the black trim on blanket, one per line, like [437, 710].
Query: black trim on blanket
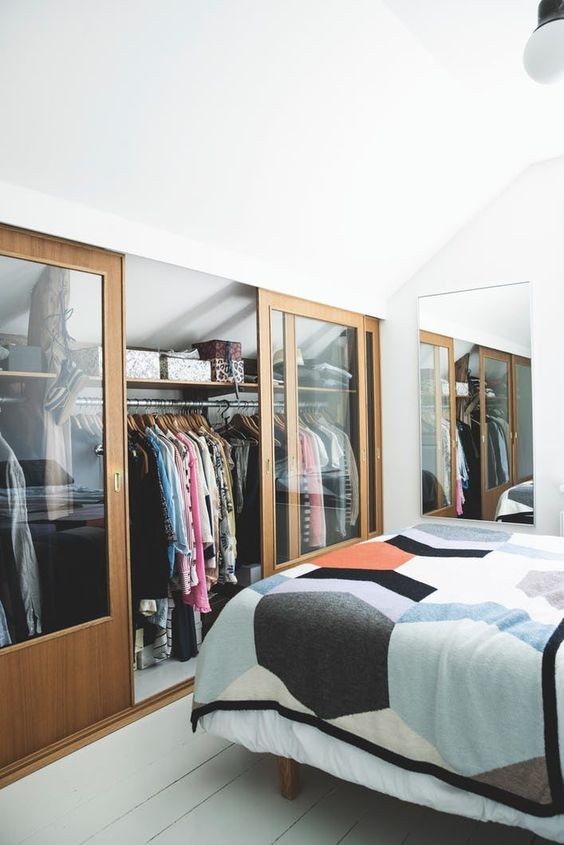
[406, 544]
[524, 805]
[550, 705]
[388, 578]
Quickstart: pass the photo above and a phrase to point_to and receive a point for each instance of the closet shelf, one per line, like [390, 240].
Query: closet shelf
[171, 384]
[308, 389]
[17, 375]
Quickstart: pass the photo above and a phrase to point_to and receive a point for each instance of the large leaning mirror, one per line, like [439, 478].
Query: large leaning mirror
[476, 414]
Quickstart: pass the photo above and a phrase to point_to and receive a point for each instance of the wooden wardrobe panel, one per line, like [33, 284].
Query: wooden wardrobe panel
[59, 684]
[294, 308]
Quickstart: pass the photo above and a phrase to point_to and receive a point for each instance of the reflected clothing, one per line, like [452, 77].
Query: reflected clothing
[21, 541]
[5, 638]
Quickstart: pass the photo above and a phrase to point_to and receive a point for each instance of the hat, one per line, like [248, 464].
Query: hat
[278, 357]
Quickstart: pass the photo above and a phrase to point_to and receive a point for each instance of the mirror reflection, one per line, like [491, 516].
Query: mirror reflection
[476, 415]
[52, 507]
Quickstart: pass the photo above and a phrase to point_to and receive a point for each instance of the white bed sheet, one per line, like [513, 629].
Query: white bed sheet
[267, 731]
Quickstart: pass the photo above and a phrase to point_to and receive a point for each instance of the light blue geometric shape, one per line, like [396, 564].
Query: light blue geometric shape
[228, 649]
[529, 551]
[267, 584]
[472, 691]
[516, 622]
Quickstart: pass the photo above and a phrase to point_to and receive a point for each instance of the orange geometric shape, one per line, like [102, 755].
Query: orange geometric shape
[373, 555]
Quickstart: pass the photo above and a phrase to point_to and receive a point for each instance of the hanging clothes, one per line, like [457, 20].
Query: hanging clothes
[183, 531]
[21, 547]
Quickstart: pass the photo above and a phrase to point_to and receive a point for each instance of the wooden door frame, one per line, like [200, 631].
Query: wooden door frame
[490, 496]
[372, 326]
[269, 301]
[439, 341]
[59, 661]
[518, 361]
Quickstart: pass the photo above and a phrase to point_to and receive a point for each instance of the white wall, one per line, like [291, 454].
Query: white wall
[519, 237]
[39, 212]
[497, 317]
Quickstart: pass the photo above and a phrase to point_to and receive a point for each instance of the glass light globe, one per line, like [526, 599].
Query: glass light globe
[544, 53]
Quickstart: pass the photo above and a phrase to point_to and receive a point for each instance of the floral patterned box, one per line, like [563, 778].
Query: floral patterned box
[142, 363]
[227, 371]
[210, 349]
[177, 367]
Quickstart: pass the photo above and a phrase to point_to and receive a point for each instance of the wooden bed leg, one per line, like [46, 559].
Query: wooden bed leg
[288, 777]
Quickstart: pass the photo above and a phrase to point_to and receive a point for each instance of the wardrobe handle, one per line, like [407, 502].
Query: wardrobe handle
[117, 481]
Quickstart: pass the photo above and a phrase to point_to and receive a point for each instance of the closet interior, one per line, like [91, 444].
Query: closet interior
[476, 431]
[167, 438]
[195, 543]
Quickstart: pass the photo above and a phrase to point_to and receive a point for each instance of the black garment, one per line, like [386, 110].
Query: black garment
[281, 492]
[184, 644]
[472, 494]
[496, 472]
[333, 503]
[149, 546]
[73, 577]
[432, 491]
[248, 521]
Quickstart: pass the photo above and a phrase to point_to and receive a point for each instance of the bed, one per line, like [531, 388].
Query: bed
[425, 665]
[517, 504]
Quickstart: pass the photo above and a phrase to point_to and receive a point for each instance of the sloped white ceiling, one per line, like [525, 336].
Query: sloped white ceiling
[346, 139]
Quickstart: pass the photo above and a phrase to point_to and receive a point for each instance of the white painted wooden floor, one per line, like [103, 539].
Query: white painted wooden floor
[154, 781]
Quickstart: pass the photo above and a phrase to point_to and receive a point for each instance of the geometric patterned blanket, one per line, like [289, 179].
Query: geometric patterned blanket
[436, 649]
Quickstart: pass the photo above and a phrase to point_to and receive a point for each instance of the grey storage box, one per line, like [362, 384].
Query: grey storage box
[89, 359]
[26, 359]
[249, 573]
[142, 363]
[177, 366]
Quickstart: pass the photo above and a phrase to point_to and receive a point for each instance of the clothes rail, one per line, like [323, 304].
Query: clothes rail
[174, 403]
[11, 400]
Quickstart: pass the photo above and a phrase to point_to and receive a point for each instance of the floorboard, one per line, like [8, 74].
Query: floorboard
[157, 782]
[222, 819]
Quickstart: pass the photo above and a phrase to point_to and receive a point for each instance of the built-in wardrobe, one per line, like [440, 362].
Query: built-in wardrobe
[476, 427]
[294, 428]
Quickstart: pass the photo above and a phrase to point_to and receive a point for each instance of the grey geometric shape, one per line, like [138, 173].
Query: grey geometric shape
[549, 585]
[329, 649]
[528, 780]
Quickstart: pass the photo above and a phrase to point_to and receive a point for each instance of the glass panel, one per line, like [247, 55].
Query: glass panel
[435, 428]
[53, 568]
[496, 374]
[372, 521]
[328, 433]
[524, 422]
[281, 457]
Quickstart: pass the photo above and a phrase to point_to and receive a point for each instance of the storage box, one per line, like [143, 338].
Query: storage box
[142, 363]
[26, 359]
[89, 359]
[176, 366]
[227, 371]
[227, 349]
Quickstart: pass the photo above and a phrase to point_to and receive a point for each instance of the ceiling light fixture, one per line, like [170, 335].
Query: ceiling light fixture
[544, 53]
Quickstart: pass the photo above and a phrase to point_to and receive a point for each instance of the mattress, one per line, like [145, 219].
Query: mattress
[517, 500]
[426, 665]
